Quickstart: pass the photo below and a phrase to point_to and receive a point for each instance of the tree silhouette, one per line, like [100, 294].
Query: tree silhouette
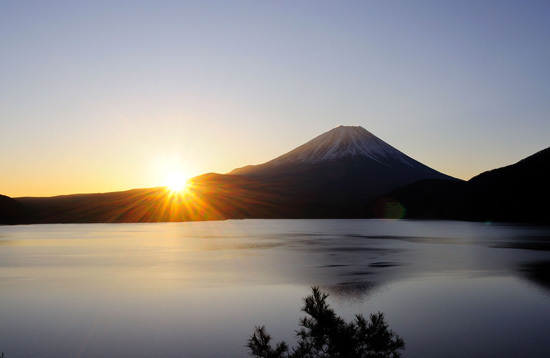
[325, 335]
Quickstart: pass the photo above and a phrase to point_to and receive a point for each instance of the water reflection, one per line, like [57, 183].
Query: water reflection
[537, 244]
[351, 290]
[538, 273]
[162, 289]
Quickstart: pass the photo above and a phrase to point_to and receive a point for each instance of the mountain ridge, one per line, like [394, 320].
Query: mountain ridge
[345, 182]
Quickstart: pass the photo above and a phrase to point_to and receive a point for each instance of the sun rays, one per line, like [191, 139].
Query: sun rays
[177, 183]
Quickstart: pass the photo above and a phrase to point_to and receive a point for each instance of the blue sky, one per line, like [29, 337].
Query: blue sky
[112, 95]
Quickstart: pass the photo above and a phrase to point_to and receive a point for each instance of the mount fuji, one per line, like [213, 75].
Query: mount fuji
[339, 171]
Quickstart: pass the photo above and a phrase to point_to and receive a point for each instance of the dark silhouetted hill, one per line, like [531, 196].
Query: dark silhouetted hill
[11, 211]
[518, 192]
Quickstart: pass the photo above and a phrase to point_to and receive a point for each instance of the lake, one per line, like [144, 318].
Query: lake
[197, 289]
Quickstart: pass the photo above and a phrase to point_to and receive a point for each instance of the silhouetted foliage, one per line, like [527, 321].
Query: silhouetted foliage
[323, 334]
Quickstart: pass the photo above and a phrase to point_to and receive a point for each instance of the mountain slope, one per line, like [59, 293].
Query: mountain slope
[518, 192]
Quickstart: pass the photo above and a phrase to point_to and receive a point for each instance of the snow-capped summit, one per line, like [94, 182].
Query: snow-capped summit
[353, 145]
[341, 142]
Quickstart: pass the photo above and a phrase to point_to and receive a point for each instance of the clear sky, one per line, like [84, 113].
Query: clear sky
[99, 96]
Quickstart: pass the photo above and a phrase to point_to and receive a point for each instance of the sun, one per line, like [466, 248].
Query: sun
[177, 182]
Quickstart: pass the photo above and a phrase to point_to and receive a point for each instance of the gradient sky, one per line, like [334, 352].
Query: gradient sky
[101, 96]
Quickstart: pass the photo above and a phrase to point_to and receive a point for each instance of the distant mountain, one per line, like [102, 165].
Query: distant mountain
[338, 172]
[518, 192]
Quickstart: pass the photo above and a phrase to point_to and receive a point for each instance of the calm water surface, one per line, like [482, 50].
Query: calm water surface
[450, 289]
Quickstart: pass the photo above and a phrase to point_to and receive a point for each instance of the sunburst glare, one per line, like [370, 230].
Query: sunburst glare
[177, 182]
